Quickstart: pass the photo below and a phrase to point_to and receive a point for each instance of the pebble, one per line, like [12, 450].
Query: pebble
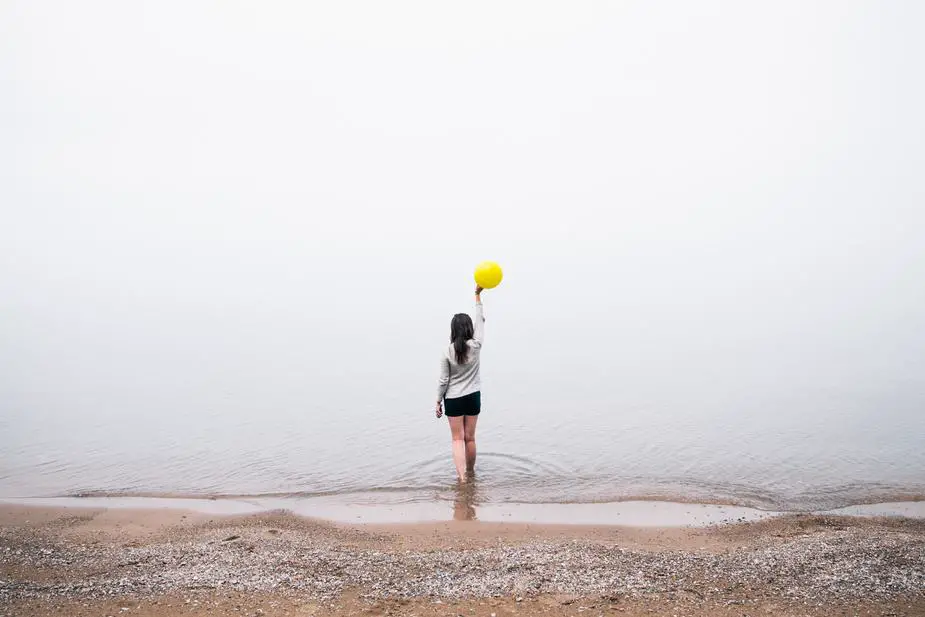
[842, 563]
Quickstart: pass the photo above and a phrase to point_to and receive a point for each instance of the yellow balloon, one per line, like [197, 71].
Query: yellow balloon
[488, 274]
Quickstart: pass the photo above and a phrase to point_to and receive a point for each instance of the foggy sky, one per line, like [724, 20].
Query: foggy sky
[256, 198]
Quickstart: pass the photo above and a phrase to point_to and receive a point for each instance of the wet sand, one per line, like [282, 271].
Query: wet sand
[360, 509]
[94, 561]
[466, 505]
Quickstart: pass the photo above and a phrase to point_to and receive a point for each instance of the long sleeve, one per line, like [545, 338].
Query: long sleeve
[479, 324]
[444, 380]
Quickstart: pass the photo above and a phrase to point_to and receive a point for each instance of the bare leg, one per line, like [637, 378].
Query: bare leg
[469, 425]
[458, 431]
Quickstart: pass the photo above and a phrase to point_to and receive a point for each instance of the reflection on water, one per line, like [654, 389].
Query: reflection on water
[819, 453]
[465, 500]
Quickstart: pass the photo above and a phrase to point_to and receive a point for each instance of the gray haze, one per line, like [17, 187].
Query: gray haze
[232, 236]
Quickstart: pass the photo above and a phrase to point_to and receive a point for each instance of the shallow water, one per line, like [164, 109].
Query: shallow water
[770, 452]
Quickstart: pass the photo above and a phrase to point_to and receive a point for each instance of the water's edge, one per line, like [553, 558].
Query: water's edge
[636, 513]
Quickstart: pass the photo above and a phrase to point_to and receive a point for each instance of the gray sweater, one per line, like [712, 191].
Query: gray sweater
[457, 380]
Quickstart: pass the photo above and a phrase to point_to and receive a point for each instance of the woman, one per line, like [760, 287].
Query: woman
[459, 385]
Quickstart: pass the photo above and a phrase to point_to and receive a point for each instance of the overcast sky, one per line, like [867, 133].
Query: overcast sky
[227, 195]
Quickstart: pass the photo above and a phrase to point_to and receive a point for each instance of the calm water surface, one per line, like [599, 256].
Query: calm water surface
[811, 449]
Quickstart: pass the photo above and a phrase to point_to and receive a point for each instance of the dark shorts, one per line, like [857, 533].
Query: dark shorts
[469, 405]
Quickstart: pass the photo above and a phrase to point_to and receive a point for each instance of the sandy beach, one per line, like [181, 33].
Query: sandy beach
[72, 561]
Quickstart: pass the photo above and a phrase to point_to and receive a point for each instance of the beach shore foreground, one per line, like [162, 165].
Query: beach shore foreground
[72, 561]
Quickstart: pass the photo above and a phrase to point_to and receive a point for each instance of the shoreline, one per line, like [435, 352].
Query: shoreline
[168, 561]
[392, 495]
[466, 507]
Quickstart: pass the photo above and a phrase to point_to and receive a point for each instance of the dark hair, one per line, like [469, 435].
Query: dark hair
[461, 330]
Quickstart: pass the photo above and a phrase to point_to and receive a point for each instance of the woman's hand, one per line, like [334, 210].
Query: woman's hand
[439, 410]
[478, 291]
